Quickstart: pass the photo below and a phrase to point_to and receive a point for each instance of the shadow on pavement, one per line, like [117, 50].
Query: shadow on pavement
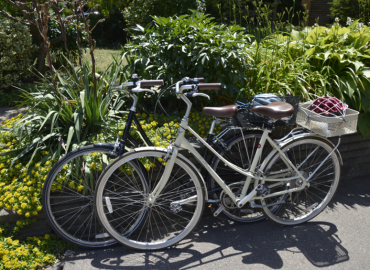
[215, 240]
[352, 193]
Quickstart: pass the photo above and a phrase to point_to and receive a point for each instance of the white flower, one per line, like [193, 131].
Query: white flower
[349, 20]
[346, 36]
[337, 19]
[316, 25]
[326, 31]
[360, 26]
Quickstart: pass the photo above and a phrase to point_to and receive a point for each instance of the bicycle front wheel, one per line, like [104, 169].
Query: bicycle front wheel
[306, 154]
[123, 207]
[68, 196]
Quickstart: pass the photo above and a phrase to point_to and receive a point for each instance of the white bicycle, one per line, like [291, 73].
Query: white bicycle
[157, 207]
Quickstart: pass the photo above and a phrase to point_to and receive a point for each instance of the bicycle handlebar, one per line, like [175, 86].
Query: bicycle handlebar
[147, 83]
[209, 86]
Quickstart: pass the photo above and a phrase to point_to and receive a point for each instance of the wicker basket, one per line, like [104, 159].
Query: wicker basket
[327, 126]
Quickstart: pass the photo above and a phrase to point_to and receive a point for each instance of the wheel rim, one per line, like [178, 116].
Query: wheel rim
[160, 225]
[71, 207]
[303, 205]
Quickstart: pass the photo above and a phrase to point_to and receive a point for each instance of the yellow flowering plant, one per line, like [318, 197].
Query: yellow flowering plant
[21, 182]
[32, 253]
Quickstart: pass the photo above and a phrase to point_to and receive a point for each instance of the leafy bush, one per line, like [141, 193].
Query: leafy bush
[340, 58]
[191, 46]
[15, 51]
[141, 11]
[304, 61]
[71, 112]
[358, 9]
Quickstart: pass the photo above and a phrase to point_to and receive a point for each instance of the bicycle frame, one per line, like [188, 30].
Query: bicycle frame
[126, 137]
[250, 173]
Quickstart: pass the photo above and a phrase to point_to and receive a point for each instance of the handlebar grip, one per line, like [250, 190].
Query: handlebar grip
[209, 86]
[147, 83]
[201, 80]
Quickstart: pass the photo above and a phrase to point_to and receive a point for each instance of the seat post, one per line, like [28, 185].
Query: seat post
[255, 161]
[211, 130]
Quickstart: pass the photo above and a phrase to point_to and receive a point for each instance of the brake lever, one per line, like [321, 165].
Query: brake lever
[201, 95]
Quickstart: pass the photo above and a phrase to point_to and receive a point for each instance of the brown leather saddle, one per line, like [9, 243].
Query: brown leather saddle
[224, 111]
[276, 110]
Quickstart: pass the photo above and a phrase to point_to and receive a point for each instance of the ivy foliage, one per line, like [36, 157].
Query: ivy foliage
[15, 52]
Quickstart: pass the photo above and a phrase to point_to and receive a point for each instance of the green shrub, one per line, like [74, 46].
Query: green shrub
[141, 11]
[15, 51]
[341, 56]
[192, 46]
[358, 9]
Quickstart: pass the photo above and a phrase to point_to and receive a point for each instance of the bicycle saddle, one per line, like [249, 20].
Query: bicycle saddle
[224, 111]
[276, 110]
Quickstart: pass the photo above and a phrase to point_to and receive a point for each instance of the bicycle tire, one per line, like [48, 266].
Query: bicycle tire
[169, 223]
[303, 205]
[63, 214]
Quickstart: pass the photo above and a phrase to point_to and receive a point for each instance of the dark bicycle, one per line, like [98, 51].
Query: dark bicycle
[68, 193]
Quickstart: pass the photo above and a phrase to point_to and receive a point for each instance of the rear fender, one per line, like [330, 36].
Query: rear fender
[296, 137]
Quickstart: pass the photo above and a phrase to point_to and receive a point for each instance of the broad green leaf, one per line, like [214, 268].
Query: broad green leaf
[11, 152]
[313, 36]
[310, 52]
[363, 125]
[297, 35]
[70, 137]
[362, 40]
[365, 103]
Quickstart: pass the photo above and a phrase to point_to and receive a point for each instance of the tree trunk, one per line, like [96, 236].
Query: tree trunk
[37, 38]
[40, 66]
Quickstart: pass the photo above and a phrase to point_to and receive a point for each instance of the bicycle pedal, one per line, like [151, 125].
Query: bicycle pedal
[218, 211]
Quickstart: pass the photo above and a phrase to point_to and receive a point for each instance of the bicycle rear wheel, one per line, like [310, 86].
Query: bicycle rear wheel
[128, 216]
[68, 196]
[306, 154]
